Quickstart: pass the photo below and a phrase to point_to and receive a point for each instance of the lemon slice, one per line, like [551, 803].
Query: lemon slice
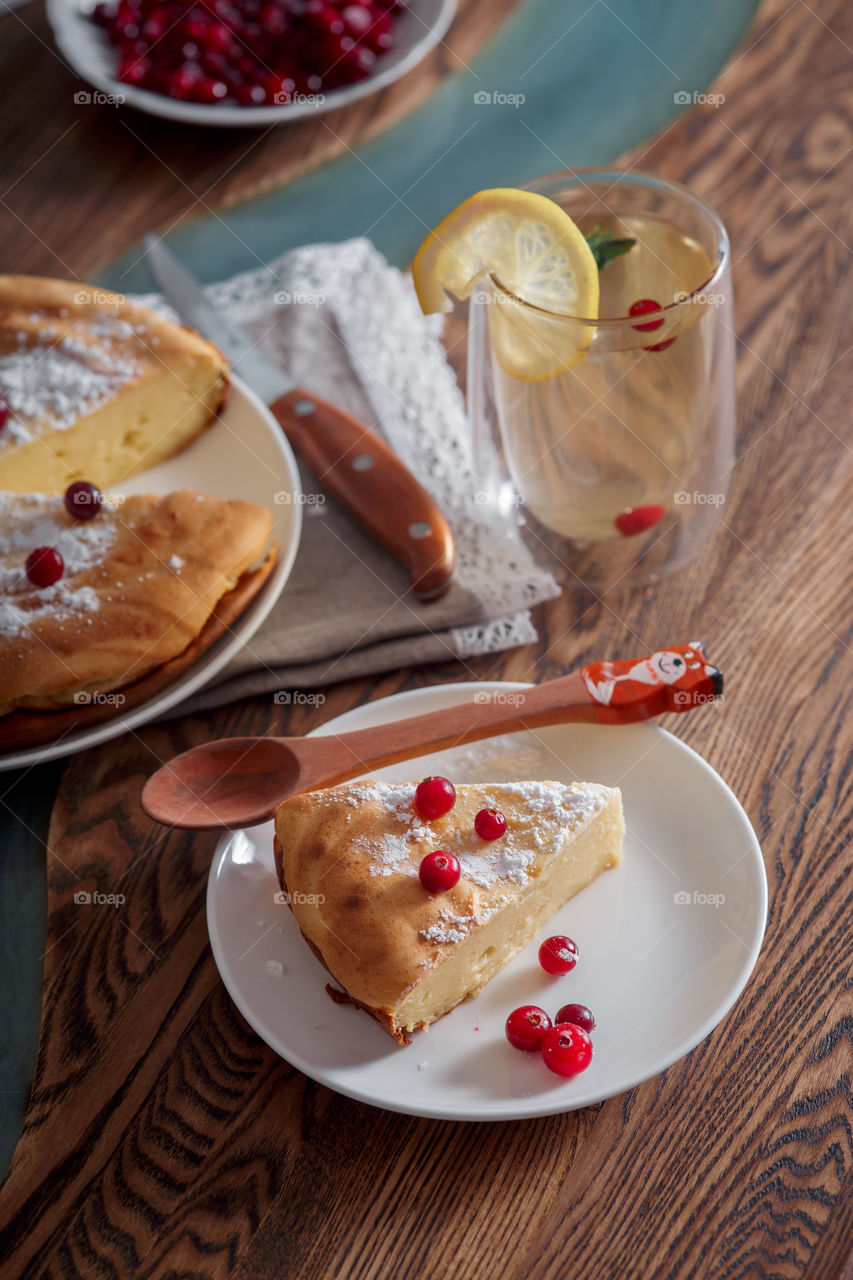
[528, 245]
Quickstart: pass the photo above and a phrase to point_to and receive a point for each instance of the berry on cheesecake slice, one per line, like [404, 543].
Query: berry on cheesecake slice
[98, 596]
[373, 884]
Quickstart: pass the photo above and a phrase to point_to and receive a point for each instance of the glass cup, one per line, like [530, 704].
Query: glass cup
[618, 463]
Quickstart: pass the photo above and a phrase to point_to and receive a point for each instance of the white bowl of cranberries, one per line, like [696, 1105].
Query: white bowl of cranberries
[243, 62]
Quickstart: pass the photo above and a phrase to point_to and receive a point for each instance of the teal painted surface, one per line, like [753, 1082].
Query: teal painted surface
[594, 83]
[23, 913]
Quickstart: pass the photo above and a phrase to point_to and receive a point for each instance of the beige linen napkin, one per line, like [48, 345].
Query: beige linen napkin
[348, 326]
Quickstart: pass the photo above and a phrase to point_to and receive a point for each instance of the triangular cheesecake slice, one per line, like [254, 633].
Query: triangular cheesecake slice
[348, 858]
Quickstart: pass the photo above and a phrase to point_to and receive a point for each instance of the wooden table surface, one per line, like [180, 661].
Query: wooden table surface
[165, 1140]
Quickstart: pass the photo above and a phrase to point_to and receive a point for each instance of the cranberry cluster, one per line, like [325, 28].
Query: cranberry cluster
[564, 1044]
[253, 52]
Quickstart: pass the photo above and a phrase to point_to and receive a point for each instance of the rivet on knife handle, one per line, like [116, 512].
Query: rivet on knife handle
[370, 482]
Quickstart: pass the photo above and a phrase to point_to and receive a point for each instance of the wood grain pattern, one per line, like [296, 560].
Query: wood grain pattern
[76, 159]
[164, 1140]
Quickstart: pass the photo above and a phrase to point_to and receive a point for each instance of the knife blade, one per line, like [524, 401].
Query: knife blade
[356, 467]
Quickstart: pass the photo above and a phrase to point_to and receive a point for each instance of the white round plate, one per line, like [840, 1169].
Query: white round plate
[667, 940]
[243, 454]
[420, 26]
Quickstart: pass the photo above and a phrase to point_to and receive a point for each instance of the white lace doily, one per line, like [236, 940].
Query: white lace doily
[349, 297]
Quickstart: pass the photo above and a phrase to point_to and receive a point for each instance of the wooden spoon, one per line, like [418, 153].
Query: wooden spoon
[238, 782]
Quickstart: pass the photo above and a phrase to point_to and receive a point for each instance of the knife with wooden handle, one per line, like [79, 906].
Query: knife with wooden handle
[350, 461]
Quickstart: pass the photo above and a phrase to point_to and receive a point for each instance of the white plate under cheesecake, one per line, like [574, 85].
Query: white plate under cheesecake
[243, 454]
[667, 938]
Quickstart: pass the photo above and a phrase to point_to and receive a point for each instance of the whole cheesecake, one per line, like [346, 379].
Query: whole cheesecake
[95, 387]
[348, 859]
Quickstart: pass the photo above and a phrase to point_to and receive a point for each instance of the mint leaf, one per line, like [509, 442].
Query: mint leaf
[605, 247]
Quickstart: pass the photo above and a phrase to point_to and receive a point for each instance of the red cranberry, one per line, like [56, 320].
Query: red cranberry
[82, 500]
[4, 412]
[134, 70]
[638, 519]
[216, 36]
[566, 1049]
[195, 28]
[490, 824]
[642, 307]
[434, 797]
[357, 19]
[439, 871]
[526, 1027]
[558, 954]
[662, 346]
[250, 95]
[154, 27]
[325, 18]
[578, 1014]
[209, 90]
[44, 566]
[278, 89]
[182, 84]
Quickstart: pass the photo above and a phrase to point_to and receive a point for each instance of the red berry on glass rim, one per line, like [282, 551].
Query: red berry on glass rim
[434, 797]
[82, 500]
[566, 1049]
[558, 954]
[642, 307]
[526, 1027]
[439, 871]
[578, 1014]
[4, 412]
[638, 519]
[44, 566]
[490, 824]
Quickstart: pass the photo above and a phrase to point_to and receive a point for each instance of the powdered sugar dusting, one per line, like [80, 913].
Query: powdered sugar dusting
[28, 521]
[540, 817]
[49, 382]
[455, 928]
[496, 759]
